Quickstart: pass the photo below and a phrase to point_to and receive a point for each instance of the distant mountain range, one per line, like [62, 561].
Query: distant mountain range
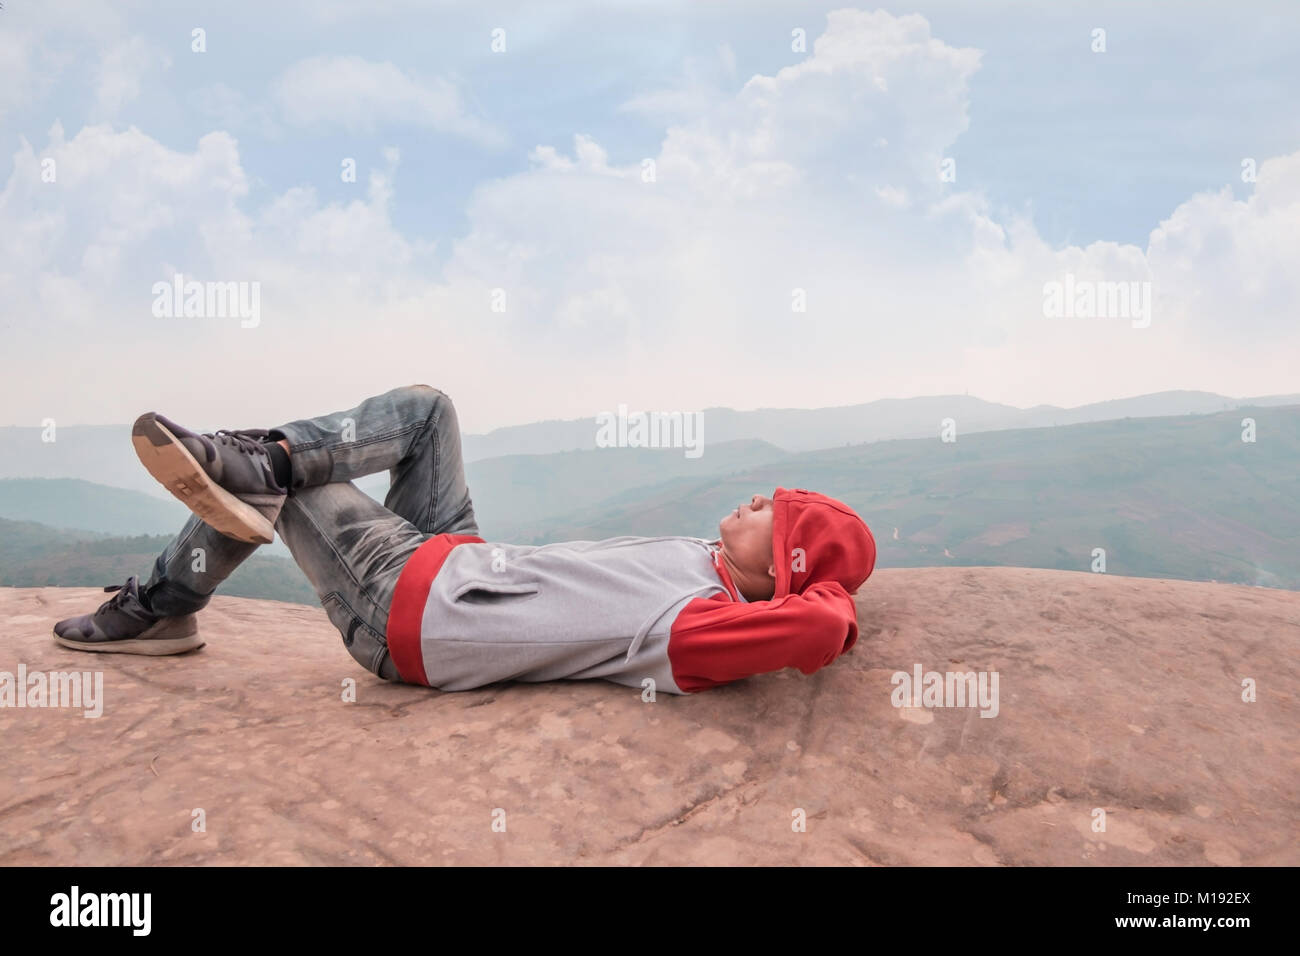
[102, 454]
[800, 430]
[516, 492]
[1177, 497]
[85, 505]
[1166, 496]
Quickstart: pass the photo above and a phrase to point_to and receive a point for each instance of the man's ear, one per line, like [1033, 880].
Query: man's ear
[771, 571]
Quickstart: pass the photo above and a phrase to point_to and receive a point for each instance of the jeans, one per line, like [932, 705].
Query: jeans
[351, 548]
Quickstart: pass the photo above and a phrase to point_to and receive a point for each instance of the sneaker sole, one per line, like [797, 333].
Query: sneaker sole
[164, 457]
[187, 640]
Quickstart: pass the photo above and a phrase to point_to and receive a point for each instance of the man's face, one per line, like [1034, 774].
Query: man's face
[746, 536]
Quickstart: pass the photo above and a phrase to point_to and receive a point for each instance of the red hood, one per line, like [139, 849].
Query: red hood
[815, 538]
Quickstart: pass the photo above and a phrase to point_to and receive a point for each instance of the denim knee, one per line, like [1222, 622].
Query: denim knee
[424, 398]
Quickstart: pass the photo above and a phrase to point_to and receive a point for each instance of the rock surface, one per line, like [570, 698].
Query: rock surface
[1118, 694]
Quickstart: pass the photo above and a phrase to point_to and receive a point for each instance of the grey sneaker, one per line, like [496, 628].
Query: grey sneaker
[124, 625]
[224, 477]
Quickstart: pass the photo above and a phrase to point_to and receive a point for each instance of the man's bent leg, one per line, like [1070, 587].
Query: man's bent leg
[352, 549]
[190, 568]
[413, 433]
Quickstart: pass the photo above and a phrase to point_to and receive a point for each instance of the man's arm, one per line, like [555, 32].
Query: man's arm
[715, 642]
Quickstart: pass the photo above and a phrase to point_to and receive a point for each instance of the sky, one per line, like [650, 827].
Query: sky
[562, 208]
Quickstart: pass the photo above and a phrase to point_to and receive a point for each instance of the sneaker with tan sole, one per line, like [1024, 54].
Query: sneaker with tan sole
[225, 477]
[124, 624]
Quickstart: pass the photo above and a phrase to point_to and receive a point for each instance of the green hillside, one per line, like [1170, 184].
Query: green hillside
[35, 555]
[1177, 497]
[1165, 497]
[519, 494]
[73, 503]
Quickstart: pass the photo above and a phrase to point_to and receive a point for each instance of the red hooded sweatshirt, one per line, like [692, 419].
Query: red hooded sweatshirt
[823, 552]
[659, 612]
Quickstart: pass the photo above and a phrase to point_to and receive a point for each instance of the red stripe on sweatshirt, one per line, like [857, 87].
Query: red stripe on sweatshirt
[410, 595]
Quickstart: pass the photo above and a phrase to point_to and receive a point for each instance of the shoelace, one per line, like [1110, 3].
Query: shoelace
[116, 600]
[247, 440]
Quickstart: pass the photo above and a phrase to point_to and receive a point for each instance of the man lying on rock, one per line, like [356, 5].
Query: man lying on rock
[419, 597]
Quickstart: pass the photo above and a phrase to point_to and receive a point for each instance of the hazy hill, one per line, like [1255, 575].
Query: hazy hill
[524, 490]
[507, 491]
[1165, 497]
[73, 503]
[36, 555]
[1179, 497]
[86, 506]
[800, 430]
[102, 454]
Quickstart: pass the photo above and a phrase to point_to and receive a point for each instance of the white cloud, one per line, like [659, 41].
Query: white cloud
[671, 294]
[362, 96]
[824, 177]
[43, 44]
[113, 195]
[15, 70]
[230, 109]
[700, 88]
[121, 70]
[892, 196]
[1231, 264]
